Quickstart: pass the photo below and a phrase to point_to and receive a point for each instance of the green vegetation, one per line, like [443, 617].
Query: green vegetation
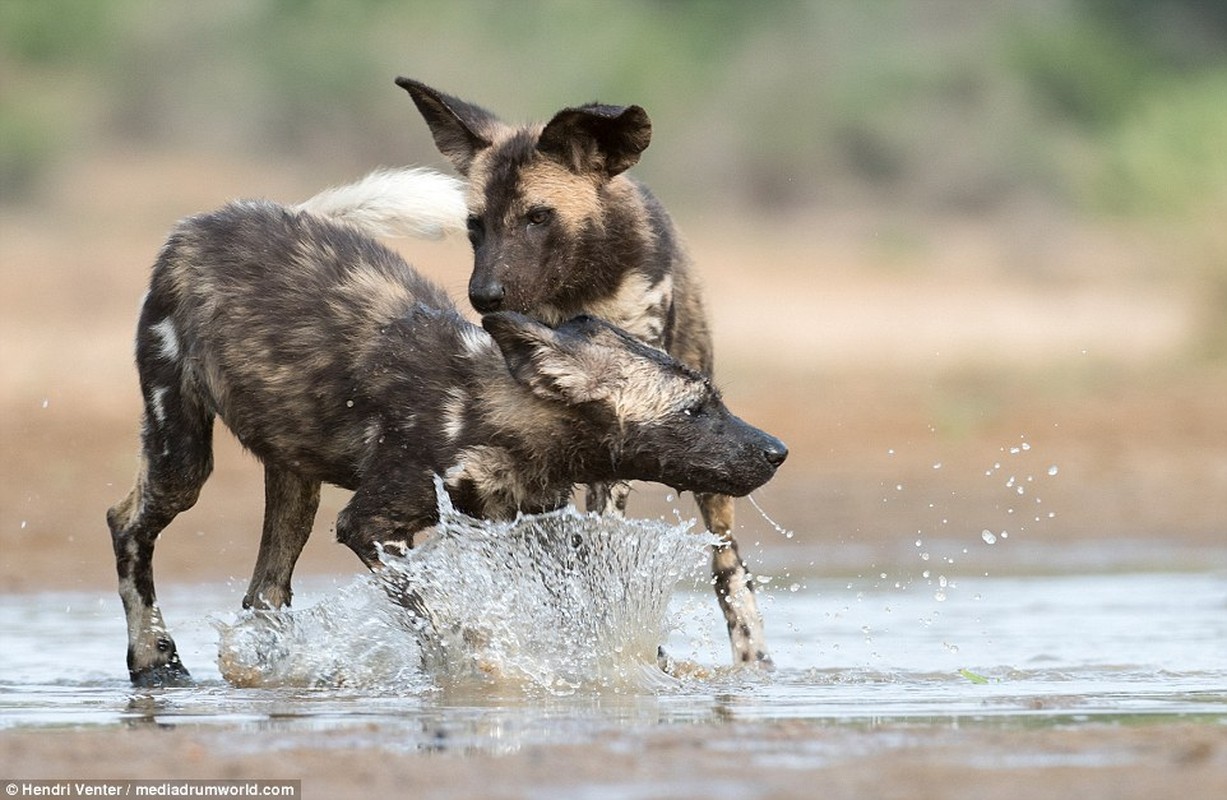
[974, 677]
[1115, 107]
[1099, 109]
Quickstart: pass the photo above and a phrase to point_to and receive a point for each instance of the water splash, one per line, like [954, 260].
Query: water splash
[352, 638]
[787, 534]
[555, 602]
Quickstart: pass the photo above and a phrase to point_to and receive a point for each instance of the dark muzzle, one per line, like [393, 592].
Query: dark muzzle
[486, 296]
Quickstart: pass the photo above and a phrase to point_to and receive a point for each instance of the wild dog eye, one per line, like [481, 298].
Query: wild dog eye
[476, 229]
[696, 409]
[539, 215]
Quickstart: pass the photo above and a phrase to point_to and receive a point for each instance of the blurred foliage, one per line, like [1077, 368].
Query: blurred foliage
[1099, 106]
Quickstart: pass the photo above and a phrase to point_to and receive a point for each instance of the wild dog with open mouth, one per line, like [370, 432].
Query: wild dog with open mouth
[333, 361]
[557, 230]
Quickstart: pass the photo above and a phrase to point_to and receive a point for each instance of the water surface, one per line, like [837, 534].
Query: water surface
[507, 662]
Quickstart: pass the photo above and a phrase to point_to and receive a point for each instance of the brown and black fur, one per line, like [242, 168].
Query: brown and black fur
[559, 229]
[333, 361]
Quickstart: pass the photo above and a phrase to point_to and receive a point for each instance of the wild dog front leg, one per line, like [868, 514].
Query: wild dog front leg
[734, 588]
[395, 500]
[366, 527]
[383, 513]
[290, 503]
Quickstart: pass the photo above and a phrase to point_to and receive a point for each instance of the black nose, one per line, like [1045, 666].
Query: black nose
[775, 452]
[487, 297]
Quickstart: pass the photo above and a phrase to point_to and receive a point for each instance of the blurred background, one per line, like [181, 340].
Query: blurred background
[968, 259]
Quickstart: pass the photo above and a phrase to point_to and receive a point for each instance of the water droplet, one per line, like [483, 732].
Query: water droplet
[939, 596]
[988, 537]
[924, 556]
[349, 403]
[1026, 446]
[1053, 470]
[938, 465]
[46, 402]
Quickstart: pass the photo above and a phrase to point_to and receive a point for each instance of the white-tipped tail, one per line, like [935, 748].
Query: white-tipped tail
[396, 202]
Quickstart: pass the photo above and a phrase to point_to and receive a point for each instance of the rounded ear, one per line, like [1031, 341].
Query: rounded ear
[597, 138]
[553, 365]
[460, 129]
[516, 334]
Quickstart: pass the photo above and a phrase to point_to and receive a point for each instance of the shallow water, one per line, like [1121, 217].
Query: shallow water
[551, 657]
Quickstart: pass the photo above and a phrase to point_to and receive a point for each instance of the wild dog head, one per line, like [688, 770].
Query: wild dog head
[543, 199]
[654, 419]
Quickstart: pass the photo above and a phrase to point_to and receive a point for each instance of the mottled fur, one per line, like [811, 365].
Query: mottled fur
[333, 361]
[559, 229]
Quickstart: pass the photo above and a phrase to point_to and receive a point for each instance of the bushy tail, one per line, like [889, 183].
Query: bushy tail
[395, 202]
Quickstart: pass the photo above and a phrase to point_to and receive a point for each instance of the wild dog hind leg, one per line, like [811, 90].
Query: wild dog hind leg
[607, 498]
[176, 459]
[734, 588]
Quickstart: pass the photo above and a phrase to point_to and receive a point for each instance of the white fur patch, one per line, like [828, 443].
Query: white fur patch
[396, 202]
[638, 307]
[155, 404]
[495, 476]
[473, 340]
[453, 414]
[168, 339]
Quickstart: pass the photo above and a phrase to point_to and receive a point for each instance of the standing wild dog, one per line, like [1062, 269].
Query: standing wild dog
[333, 361]
[557, 230]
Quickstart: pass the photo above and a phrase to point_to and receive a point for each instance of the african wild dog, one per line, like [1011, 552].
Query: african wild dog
[333, 361]
[557, 230]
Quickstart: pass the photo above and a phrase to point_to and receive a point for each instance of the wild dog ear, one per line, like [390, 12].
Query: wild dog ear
[597, 138]
[554, 364]
[460, 129]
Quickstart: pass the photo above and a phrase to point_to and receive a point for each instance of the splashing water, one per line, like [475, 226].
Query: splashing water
[554, 601]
